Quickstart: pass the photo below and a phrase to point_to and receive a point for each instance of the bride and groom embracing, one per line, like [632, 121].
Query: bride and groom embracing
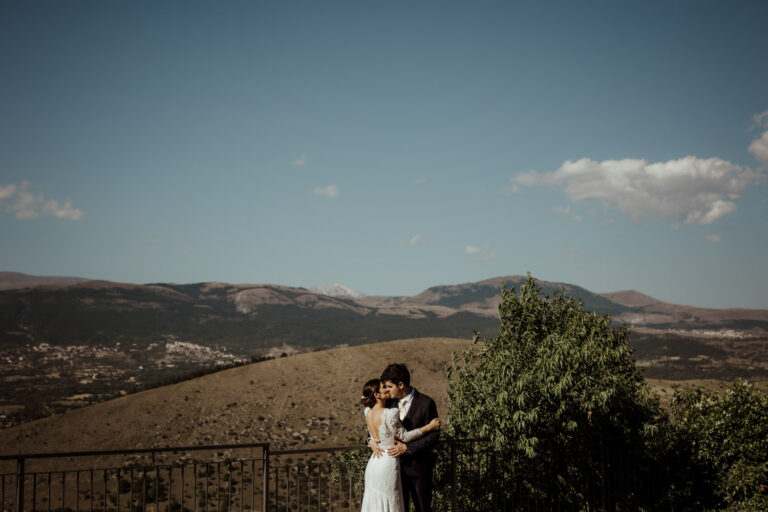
[403, 427]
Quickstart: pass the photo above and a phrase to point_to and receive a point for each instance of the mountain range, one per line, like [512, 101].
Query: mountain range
[68, 342]
[255, 317]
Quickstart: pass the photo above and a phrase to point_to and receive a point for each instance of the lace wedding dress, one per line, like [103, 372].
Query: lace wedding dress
[383, 489]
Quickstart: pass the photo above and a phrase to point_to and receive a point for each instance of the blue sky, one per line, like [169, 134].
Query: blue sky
[389, 146]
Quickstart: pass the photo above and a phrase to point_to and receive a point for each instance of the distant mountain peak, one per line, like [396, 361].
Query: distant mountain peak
[338, 290]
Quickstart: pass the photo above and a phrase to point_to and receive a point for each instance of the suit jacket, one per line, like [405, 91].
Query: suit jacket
[419, 457]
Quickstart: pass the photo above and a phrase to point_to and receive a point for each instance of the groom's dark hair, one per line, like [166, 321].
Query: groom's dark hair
[397, 373]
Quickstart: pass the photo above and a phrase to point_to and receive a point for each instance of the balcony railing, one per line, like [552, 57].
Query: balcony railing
[220, 478]
[469, 476]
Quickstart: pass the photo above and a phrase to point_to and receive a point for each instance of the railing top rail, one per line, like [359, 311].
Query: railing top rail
[163, 449]
[133, 451]
[319, 450]
[359, 447]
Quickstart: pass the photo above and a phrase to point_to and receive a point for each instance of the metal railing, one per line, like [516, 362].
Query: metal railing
[468, 476]
[138, 480]
[182, 479]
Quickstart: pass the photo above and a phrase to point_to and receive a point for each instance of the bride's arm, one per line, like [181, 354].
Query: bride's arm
[395, 426]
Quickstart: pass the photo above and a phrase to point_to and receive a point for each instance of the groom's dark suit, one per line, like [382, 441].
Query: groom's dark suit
[418, 461]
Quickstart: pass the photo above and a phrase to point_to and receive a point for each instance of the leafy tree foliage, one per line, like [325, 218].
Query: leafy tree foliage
[558, 397]
[727, 436]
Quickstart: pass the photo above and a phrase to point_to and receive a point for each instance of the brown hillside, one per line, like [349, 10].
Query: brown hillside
[631, 298]
[301, 400]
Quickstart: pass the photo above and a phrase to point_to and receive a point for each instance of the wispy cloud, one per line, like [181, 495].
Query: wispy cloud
[512, 188]
[7, 191]
[760, 120]
[23, 204]
[301, 161]
[481, 253]
[690, 189]
[713, 237]
[759, 146]
[330, 191]
[566, 210]
[415, 240]
[420, 181]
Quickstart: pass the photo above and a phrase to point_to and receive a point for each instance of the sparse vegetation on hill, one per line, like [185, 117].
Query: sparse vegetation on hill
[309, 399]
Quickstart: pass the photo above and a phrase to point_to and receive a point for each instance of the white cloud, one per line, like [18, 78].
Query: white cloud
[566, 210]
[760, 120]
[23, 204]
[713, 237]
[481, 253]
[511, 188]
[415, 240]
[300, 162]
[330, 191]
[7, 191]
[690, 189]
[420, 181]
[759, 148]
[64, 211]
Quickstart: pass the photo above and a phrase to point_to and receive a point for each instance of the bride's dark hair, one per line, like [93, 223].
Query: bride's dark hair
[369, 390]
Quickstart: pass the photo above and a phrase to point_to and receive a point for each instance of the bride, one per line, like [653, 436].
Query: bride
[383, 489]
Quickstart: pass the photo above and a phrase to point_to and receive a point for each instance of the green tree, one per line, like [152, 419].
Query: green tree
[560, 401]
[726, 435]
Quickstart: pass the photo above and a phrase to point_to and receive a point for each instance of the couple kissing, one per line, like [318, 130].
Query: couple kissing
[403, 429]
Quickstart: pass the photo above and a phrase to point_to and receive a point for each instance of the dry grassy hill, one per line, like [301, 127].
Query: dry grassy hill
[297, 401]
[309, 399]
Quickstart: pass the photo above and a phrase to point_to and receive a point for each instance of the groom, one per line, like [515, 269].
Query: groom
[417, 460]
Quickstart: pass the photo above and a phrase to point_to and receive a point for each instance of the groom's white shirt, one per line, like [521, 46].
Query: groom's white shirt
[405, 404]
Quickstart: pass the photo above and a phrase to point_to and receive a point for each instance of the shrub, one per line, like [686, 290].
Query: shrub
[559, 399]
[727, 435]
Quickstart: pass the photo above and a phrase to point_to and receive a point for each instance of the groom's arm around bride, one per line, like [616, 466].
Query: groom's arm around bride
[418, 455]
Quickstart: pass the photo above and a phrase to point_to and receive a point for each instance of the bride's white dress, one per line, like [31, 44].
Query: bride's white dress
[383, 490]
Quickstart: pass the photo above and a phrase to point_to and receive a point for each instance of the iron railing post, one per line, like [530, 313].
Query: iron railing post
[454, 479]
[265, 480]
[20, 484]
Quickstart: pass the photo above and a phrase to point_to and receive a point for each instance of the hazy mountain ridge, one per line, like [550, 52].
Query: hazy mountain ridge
[253, 316]
[13, 280]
